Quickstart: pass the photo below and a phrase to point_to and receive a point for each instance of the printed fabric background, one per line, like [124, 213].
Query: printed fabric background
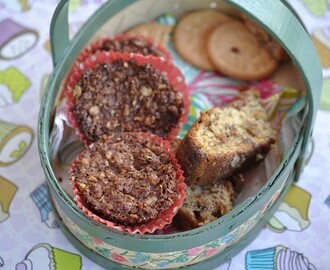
[297, 236]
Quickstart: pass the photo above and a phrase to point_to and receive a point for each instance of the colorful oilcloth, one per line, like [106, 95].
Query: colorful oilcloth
[30, 238]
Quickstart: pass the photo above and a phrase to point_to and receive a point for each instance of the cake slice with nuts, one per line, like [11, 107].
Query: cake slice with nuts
[226, 140]
[204, 204]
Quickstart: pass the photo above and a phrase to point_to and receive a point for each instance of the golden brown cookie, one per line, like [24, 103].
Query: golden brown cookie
[288, 75]
[266, 39]
[157, 32]
[237, 53]
[191, 34]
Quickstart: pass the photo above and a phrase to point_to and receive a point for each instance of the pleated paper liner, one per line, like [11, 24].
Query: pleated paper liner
[119, 41]
[163, 218]
[140, 45]
[173, 75]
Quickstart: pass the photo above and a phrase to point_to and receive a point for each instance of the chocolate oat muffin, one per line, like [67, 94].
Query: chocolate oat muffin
[121, 92]
[125, 43]
[129, 179]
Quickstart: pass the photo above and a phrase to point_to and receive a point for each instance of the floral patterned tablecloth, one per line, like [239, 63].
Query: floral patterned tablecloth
[297, 235]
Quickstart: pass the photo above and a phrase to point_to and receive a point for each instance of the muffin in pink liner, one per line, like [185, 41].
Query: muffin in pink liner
[125, 43]
[125, 92]
[129, 181]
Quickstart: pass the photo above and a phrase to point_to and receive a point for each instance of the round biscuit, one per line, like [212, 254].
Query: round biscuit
[264, 37]
[191, 34]
[159, 33]
[237, 53]
[287, 74]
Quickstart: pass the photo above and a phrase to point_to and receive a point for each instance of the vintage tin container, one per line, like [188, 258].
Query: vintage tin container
[213, 244]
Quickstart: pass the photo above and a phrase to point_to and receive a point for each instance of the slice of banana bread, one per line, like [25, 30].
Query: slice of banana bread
[226, 140]
[204, 204]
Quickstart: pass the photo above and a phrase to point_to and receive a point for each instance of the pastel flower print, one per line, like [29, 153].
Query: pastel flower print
[103, 251]
[163, 263]
[97, 241]
[210, 252]
[194, 251]
[140, 257]
[117, 257]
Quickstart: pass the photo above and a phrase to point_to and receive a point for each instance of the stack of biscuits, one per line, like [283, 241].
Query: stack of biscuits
[235, 47]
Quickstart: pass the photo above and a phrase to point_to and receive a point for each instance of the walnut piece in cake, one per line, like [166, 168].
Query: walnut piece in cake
[204, 204]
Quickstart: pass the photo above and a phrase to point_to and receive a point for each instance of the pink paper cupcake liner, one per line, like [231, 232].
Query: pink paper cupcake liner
[163, 218]
[173, 74]
[97, 46]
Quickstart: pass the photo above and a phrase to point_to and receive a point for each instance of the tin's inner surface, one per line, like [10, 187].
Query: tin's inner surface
[207, 89]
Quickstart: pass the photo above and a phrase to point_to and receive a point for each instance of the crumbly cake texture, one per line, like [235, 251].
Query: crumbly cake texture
[204, 204]
[128, 178]
[122, 92]
[125, 43]
[175, 144]
[226, 140]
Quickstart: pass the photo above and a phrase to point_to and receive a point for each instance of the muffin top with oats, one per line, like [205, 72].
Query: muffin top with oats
[126, 178]
[123, 95]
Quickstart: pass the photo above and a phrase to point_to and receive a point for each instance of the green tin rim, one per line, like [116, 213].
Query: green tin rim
[64, 53]
[209, 263]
